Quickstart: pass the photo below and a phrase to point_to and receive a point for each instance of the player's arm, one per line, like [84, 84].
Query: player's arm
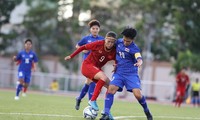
[115, 64]
[17, 59]
[177, 77]
[34, 63]
[34, 66]
[77, 51]
[84, 51]
[139, 59]
[89, 46]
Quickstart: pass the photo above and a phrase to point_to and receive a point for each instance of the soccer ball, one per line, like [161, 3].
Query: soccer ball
[89, 113]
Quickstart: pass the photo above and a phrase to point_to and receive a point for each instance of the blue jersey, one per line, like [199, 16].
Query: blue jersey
[126, 57]
[88, 39]
[26, 60]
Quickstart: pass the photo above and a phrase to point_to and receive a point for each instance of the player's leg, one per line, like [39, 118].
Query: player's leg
[177, 97]
[27, 80]
[133, 84]
[181, 97]
[19, 88]
[25, 89]
[141, 99]
[115, 85]
[102, 80]
[91, 89]
[106, 115]
[83, 92]
[20, 85]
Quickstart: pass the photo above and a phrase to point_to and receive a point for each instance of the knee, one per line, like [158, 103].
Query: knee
[88, 81]
[112, 89]
[138, 96]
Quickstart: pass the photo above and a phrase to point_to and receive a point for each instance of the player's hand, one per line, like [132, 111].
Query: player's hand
[139, 63]
[33, 69]
[67, 58]
[114, 66]
[14, 58]
[85, 51]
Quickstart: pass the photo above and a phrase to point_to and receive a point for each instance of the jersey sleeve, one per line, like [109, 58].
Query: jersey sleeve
[35, 58]
[19, 57]
[77, 51]
[137, 53]
[83, 41]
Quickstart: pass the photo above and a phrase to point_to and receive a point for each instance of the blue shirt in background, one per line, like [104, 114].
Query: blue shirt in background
[88, 39]
[26, 60]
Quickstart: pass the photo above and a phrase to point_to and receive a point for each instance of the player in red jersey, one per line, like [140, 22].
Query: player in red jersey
[102, 51]
[182, 81]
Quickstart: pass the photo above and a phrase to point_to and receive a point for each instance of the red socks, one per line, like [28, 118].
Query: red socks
[97, 89]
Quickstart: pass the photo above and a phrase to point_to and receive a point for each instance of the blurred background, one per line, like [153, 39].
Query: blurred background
[168, 35]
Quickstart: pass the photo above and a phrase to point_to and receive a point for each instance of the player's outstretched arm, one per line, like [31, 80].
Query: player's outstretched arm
[67, 58]
[75, 52]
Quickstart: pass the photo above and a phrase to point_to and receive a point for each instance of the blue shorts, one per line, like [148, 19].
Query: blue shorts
[130, 81]
[26, 76]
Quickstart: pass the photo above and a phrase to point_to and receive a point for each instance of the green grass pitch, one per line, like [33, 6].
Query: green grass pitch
[42, 106]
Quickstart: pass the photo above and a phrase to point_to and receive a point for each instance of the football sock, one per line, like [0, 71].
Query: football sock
[19, 88]
[91, 90]
[143, 103]
[84, 90]
[108, 103]
[97, 89]
[25, 89]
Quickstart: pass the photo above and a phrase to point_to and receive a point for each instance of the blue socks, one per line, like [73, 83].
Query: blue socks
[19, 88]
[143, 103]
[108, 103]
[87, 88]
[84, 90]
[91, 89]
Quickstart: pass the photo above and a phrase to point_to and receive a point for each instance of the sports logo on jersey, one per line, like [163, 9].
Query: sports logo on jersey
[31, 56]
[100, 51]
[127, 49]
[89, 41]
[23, 55]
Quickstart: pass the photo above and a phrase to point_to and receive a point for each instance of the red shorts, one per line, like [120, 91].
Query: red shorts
[89, 71]
[180, 91]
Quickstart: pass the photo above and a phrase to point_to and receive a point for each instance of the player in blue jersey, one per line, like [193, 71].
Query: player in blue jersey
[93, 36]
[128, 59]
[27, 60]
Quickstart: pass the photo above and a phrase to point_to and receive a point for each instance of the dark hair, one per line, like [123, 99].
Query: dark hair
[111, 34]
[129, 32]
[28, 40]
[184, 68]
[94, 22]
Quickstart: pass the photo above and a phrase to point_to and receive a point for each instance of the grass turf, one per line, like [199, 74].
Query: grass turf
[42, 106]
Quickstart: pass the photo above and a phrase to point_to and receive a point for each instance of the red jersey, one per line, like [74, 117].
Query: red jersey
[98, 55]
[182, 80]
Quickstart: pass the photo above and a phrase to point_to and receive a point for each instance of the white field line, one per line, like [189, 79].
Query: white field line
[163, 117]
[117, 117]
[33, 114]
